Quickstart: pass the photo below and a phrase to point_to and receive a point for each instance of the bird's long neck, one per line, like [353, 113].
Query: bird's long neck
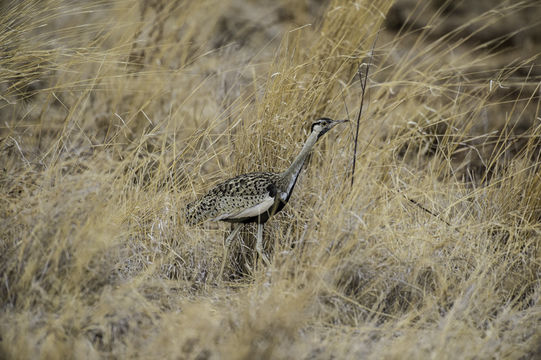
[292, 173]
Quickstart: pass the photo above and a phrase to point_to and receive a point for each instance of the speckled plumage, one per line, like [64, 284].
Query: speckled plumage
[235, 195]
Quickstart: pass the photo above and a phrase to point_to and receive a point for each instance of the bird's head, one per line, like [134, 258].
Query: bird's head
[322, 125]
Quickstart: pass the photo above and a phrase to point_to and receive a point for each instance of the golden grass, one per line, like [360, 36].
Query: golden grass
[116, 114]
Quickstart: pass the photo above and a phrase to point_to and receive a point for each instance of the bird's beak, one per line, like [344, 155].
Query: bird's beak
[336, 122]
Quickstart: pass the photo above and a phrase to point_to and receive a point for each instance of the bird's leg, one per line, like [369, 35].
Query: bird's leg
[259, 244]
[226, 246]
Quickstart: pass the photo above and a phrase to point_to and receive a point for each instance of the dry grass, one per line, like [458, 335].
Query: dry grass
[116, 114]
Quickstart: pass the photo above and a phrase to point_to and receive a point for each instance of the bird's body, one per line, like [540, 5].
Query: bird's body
[243, 199]
[254, 197]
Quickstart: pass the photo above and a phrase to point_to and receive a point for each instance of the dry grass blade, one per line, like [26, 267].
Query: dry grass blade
[363, 82]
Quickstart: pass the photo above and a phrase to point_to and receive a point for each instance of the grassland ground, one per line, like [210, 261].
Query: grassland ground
[115, 114]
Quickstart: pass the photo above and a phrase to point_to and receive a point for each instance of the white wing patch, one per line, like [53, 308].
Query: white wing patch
[249, 212]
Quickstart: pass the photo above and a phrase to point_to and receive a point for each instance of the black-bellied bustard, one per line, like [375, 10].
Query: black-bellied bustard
[254, 197]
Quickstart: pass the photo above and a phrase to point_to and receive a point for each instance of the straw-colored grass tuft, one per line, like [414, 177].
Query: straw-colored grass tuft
[116, 114]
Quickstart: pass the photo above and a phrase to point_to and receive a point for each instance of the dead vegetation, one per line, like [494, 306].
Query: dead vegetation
[116, 114]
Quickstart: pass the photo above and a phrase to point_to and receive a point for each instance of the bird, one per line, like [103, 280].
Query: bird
[254, 197]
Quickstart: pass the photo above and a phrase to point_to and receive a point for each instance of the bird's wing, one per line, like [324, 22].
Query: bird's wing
[241, 197]
[250, 209]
